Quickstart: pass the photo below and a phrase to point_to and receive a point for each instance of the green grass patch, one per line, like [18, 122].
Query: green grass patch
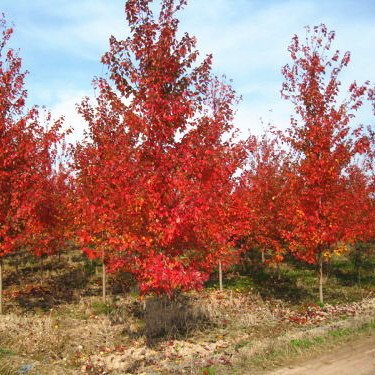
[208, 371]
[241, 345]
[297, 283]
[102, 308]
[367, 326]
[340, 332]
[301, 343]
[243, 284]
[6, 352]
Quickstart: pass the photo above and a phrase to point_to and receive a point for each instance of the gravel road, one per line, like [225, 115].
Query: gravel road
[354, 359]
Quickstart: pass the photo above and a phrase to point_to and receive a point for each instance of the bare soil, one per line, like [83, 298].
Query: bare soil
[356, 358]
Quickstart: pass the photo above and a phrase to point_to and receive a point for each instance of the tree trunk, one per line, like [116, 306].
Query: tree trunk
[104, 282]
[278, 271]
[104, 286]
[17, 259]
[321, 279]
[1, 286]
[263, 257]
[41, 270]
[359, 282]
[220, 277]
[328, 267]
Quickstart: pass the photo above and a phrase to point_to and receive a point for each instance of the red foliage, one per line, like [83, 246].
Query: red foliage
[324, 186]
[155, 173]
[27, 153]
[51, 224]
[259, 197]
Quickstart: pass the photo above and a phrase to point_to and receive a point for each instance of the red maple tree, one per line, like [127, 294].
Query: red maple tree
[155, 173]
[259, 198]
[26, 153]
[322, 187]
[50, 225]
[366, 174]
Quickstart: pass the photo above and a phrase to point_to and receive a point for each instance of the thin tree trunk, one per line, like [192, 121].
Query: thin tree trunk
[359, 282]
[220, 277]
[321, 279]
[104, 281]
[17, 259]
[328, 267]
[320, 252]
[41, 270]
[1, 286]
[278, 271]
[263, 256]
[103, 271]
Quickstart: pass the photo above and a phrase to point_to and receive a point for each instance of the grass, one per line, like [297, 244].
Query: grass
[263, 318]
[284, 352]
[5, 352]
[100, 307]
[301, 343]
[341, 332]
[208, 371]
[241, 345]
[296, 282]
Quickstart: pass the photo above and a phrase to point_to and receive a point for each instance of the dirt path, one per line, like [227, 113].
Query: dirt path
[354, 359]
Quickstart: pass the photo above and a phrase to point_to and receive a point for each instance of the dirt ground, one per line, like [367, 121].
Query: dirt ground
[354, 359]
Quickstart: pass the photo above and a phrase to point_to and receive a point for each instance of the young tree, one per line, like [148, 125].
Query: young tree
[155, 172]
[26, 155]
[51, 224]
[259, 197]
[365, 176]
[324, 147]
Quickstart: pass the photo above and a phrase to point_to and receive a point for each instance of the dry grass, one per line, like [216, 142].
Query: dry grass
[224, 332]
[65, 328]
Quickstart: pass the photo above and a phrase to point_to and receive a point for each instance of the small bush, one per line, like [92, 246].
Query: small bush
[164, 318]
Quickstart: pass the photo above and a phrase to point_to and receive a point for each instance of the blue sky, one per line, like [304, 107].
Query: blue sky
[61, 43]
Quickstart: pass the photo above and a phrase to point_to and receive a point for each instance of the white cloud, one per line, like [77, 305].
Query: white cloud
[66, 106]
[64, 40]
